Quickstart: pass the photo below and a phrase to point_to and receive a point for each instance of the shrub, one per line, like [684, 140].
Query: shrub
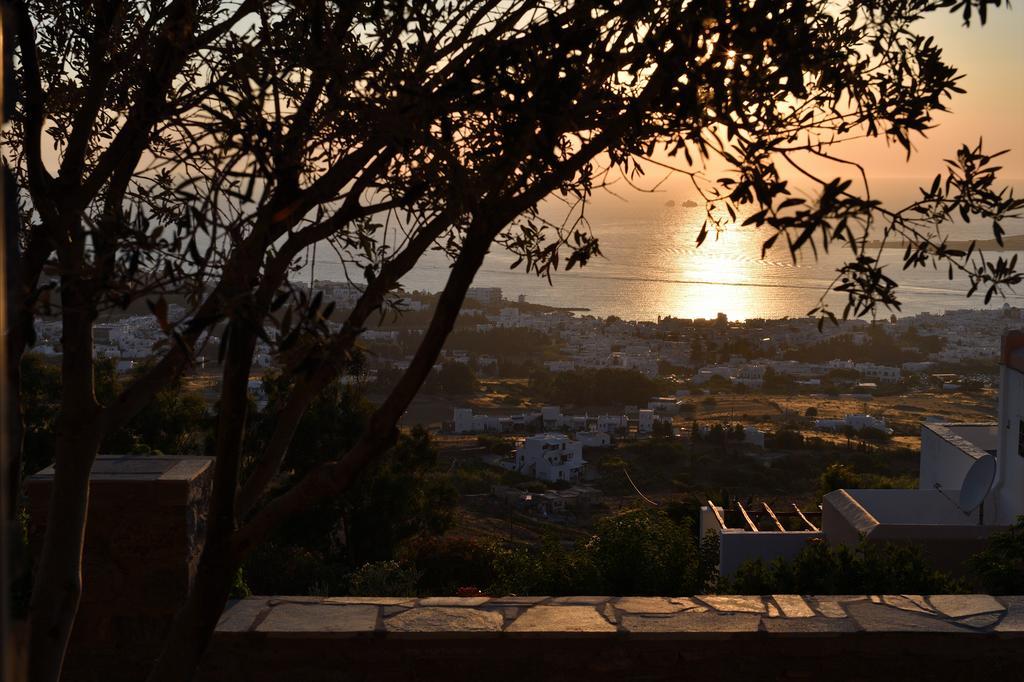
[999, 568]
[446, 565]
[383, 578]
[819, 568]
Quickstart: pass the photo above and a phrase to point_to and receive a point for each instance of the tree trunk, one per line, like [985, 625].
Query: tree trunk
[58, 584]
[194, 623]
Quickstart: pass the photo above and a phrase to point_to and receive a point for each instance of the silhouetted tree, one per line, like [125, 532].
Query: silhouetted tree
[203, 148]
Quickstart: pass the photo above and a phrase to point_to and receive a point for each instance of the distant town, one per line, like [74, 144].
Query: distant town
[547, 419]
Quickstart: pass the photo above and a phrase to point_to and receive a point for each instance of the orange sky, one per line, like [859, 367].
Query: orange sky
[991, 57]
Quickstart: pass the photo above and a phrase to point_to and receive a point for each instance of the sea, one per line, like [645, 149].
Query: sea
[651, 267]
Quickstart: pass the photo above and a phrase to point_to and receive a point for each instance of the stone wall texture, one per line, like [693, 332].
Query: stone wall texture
[142, 543]
[709, 638]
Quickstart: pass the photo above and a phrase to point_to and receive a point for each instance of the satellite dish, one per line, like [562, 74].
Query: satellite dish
[977, 483]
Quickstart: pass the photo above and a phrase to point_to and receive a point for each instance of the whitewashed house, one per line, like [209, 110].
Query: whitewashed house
[464, 421]
[551, 457]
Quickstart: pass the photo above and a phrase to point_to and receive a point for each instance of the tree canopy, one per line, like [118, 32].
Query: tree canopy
[201, 149]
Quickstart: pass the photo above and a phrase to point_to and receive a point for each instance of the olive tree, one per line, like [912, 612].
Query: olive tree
[198, 149]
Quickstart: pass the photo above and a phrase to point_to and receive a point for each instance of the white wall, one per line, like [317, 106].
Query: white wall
[738, 546]
[1008, 492]
[946, 455]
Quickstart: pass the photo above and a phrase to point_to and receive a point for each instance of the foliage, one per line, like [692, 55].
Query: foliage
[457, 378]
[175, 422]
[662, 428]
[644, 552]
[383, 578]
[820, 568]
[604, 386]
[636, 552]
[447, 564]
[838, 475]
[501, 342]
[784, 439]
[999, 568]
[40, 388]
[395, 499]
[496, 444]
[881, 346]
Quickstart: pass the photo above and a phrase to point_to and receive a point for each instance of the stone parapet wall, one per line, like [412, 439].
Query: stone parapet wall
[143, 539]
[905, 637]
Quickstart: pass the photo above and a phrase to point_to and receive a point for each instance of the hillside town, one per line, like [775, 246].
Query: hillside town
[560, 393]
[740, 353]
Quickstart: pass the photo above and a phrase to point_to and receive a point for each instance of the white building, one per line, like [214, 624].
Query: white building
[464, 421]
[593, 439]
[551, 457]
[856, 422]
[971, 482]
[485, 295]
[971, 485]
[881, 373]
[508, 317]
[750, 375]
[645, 421]
[613, 423]
[552, 416]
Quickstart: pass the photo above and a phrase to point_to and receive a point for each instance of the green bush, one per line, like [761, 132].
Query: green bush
[819, 568]
[383, 578]
[446, 565]
[636, 552]
[999, 568]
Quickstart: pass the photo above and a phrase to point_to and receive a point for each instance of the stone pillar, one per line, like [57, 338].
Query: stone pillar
[147, 518]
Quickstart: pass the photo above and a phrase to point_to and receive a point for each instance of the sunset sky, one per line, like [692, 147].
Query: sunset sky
[991, 60]
[991, 57]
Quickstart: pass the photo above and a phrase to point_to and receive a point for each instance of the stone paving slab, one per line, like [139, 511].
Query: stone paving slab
[684, 617]
[908, 602]
[734, 603]
[453, 601]
[1012, 622]
[960, 605]
[872, 617]
[648, 605]
[375, 601]
[689, 604]
[240, 615]
[579, 600]
[298, 619]
[829, 607]
[561, 619]
[688, 622]
[445, 620]
[793, 606]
